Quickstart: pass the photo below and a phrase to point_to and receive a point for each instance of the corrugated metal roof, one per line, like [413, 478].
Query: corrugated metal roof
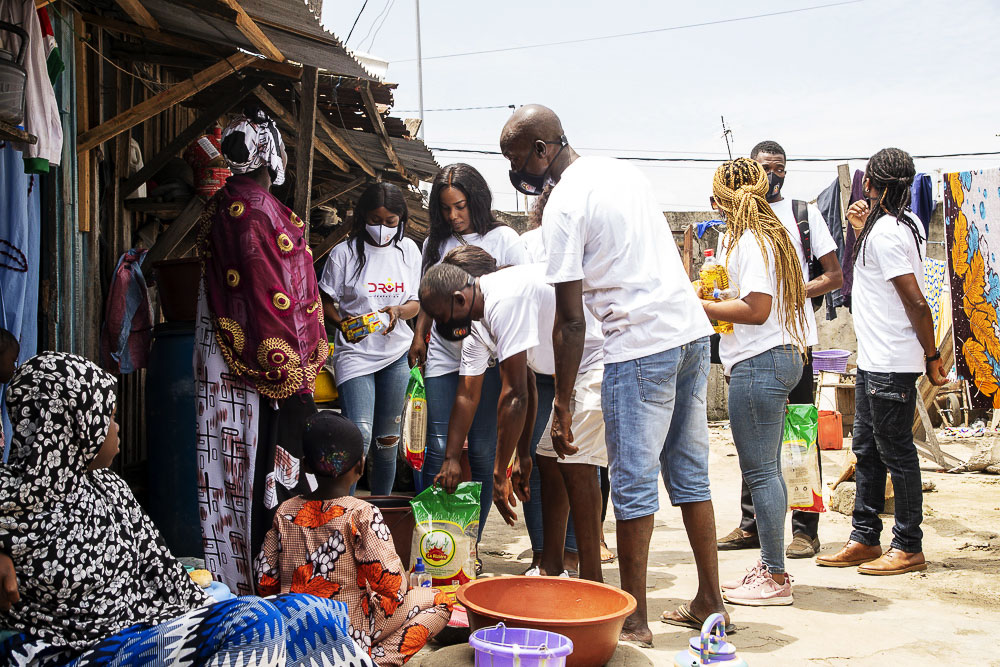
[289, 24]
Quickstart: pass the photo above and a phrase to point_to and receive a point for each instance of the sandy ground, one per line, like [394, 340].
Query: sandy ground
[947, 615]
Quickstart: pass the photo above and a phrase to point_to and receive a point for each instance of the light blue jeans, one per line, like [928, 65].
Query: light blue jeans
[482, 436]
[656, 423]
[374, 402]
[758, 392]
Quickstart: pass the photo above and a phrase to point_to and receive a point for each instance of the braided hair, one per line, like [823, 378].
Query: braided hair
[479, 199]
[891, 172]
[740, 188]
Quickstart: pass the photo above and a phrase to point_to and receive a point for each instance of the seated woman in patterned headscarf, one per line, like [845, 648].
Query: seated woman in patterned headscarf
[85, 577]
[260, 342]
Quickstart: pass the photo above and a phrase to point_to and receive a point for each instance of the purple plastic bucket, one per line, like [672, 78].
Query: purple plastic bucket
[830, 360]
[501, 646]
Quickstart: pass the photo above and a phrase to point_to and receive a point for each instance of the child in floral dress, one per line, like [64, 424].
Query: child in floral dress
[332, 545]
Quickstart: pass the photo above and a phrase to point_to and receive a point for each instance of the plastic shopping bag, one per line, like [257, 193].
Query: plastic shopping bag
[447, 526]
[800, 459]
[415, 420]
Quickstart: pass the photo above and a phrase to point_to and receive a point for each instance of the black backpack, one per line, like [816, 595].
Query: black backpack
[800, 210]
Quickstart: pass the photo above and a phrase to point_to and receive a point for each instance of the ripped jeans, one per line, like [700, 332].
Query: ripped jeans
[374, 402]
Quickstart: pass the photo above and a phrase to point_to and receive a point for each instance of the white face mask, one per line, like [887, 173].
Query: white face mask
[381, 235]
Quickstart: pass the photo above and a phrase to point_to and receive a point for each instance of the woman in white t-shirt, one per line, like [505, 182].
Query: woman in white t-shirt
[762, 358]
[376, 269]
[460, 214]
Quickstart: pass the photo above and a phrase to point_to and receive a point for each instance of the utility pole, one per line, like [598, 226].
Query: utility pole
[420, 75]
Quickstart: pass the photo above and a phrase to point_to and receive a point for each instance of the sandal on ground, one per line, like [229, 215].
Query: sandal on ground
[689, 620]
[607, 556]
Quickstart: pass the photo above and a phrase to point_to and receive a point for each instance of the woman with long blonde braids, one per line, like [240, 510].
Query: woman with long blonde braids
[762, 358]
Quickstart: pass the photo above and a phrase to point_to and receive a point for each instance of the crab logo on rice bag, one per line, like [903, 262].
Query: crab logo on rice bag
[415, 420]
[800, 459]
[447, 525]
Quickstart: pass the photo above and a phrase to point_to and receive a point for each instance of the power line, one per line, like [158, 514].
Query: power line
[638, 158]
[501, 106]
[634, 34]
[354, 25]
[371, 44]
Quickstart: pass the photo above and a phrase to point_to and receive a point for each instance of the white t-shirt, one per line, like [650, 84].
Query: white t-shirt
[752, 272]
[443, 356]
[887, 341]
[603, 225]
[389, 278]
[820, 240]
[518, 315]
[534, 245]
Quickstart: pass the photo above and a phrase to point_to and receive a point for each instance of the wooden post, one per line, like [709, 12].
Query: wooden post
[688, 253]
[176, 232]
[306, 136]
[157, 103]
[844, 177]
[82, 124]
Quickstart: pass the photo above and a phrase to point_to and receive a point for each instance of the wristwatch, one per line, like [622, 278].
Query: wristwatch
[935, 357]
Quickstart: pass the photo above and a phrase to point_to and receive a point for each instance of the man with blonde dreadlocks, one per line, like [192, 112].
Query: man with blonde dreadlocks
[762, 358]
[895, 346]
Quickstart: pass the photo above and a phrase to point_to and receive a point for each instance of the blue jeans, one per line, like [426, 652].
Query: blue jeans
[482, 436]
[883, 441]
[374, 403]
[656, 423]
[533, 508]
[758, 392]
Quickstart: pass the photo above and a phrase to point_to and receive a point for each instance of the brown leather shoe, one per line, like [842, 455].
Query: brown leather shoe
[895, 561]
[738, 539]
[853, 553]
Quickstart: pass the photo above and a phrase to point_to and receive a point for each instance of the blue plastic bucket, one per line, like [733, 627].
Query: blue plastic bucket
[501, 646]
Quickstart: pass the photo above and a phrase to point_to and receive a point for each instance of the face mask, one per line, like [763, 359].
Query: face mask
[533, 184]
[457, 329]
[774, 183]
[382, 235]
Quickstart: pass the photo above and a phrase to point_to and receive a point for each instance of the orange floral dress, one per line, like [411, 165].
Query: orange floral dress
[342, 549]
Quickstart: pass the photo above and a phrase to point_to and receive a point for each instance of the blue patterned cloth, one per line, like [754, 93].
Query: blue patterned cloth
[287, 630]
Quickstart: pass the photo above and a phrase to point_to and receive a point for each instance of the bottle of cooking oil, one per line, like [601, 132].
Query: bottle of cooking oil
[715, 286]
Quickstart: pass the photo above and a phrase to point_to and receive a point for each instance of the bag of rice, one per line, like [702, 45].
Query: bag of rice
[800, 459]
[415, 420]
[447, 525]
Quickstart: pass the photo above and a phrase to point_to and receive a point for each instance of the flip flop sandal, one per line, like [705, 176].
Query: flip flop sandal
[689, 620]
[610, 558]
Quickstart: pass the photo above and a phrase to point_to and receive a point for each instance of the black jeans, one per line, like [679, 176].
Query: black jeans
[883, 441]
[802, 522]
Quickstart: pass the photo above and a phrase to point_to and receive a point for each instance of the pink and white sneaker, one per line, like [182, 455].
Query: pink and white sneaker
[760, 590]
[733, 584]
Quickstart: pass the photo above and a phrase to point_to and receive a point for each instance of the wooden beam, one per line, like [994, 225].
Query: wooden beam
[138, 13]
[323, 194]
[333, 238]
[186, 44]
[285, 116]
[10, 132]
[185, 137]
[307, 139]
[252, 31]
[383, 136]
[343, 144]
[157, 103]
[176, 231]
[43, 3]
[82, 123]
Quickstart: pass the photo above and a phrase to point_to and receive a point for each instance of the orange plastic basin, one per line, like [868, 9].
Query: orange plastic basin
[589, 613]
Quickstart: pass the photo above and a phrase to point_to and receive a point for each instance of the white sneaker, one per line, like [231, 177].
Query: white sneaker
[733, 584]
[760, 590]
[533, 572]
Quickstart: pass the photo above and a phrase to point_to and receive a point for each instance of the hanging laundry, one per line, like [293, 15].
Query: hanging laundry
[922, 200]
[41, 116]
[53, 56]
[128, 319]
[938, 296]
[828, 203]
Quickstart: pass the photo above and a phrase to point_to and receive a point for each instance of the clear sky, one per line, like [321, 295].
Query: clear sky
[835, 81]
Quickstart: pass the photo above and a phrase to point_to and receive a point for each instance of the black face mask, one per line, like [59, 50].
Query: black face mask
[457, 329]
[774, 183]
[532, 184]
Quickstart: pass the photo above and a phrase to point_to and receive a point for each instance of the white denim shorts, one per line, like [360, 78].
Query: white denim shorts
[588, 423]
